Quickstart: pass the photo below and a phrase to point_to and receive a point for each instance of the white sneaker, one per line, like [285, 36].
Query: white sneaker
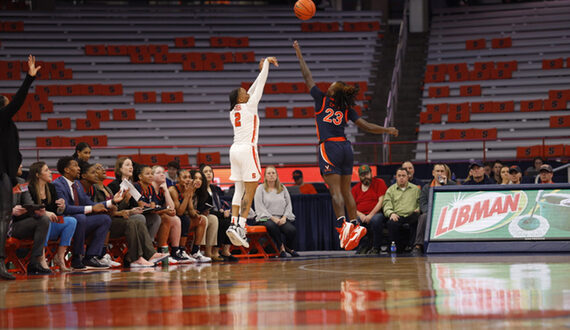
[172, 261]
[242, 236]
[234, 236]
[107, 261]
[201, 258]
[184, 258]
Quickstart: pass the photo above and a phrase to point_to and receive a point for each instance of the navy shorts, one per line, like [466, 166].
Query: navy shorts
[336, 157]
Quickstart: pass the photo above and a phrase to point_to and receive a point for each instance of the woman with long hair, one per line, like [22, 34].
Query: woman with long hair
[244, 160]
[82, 152]
[202, 203]
[333, 110]
[505, 176]
[43, 192]
[275, 211]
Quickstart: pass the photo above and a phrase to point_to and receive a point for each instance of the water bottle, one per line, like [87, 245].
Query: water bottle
[393, 247]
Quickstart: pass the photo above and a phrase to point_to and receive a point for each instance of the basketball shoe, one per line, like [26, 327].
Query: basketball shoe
[355, 235]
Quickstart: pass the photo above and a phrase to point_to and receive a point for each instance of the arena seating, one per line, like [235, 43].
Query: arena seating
[148, 76]
[503, 68]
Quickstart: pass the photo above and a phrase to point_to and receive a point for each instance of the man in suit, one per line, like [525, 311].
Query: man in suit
[10, 157]
[91, 219]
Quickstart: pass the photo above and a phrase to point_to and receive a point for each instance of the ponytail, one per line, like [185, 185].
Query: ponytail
[345, 95]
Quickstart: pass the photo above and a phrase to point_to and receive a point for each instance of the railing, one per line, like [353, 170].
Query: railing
[392, 104]
[376, 157]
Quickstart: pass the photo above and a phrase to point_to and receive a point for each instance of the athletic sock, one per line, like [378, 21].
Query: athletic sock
[241, 222]
[340, 221]
[356, 222]
[234, 220]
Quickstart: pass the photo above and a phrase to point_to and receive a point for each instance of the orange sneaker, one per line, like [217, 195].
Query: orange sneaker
[357, 233]
[345, 231]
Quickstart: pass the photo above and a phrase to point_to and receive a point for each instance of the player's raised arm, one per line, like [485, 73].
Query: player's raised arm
[375, 129]
[256, 89]
[304, 68]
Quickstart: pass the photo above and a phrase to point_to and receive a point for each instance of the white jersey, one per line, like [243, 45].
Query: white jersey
[244, 116]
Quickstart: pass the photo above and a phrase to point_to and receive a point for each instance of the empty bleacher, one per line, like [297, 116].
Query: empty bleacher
[526, 101]
[155, 50]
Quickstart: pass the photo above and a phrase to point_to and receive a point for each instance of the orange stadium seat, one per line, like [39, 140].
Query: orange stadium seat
[504, 106]
[480, 66]
[529, 152]
[239, 42]
[82, 124]
[329, 26]
[458, 113]
[470, 90]
[244, 57]
[436, 68]
[509, 65]
[475, 44]
[557, 63]
[96, 140]
[46, 142]
[100, 115]
[161, 58]
[430, 118]
[458, 76]
[559, 94]
[502, 42]
[212, 158]
[559, 121]
[124, 114]
[442, 91]
[303, 112]
[154, 159]
[481, 107]
[531, 105]
[501, 74]
[275, 112]
[172, 97]
[227, 57]
[553, 150]
[117, 50]
[480, 75]
[155, 49]
[441, 108]
[141, 58]
[182, 159]
[95, 50]
[457, 67]
[551, 105]
[434, 77]
[59, 123]
[184, 42]
[17, 26]
[145, 97]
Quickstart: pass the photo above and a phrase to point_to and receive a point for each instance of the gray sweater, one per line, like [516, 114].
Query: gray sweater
[268, 204]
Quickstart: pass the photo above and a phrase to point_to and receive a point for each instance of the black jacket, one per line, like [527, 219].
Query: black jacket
[10, 157]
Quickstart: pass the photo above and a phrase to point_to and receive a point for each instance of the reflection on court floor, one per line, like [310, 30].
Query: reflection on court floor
[446, 291]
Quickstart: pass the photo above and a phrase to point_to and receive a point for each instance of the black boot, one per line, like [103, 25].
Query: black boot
[3, 272]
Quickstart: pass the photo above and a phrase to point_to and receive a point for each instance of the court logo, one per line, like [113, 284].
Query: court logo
[480, 212]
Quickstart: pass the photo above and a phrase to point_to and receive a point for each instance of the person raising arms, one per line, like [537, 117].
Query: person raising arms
[333, 109]
[245, 168]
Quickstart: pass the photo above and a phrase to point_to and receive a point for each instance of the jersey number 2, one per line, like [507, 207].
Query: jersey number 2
[237, 119]
[337, 120]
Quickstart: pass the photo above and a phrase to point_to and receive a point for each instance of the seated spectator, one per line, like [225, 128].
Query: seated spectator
[505, 176]
[477, 175]
[496, 171]
[304, 188]
[274, 211]
[537, 162]
[31, 224]
[369, 195]
[545, 174]
[202, 204]
[440, 178]
[221, 210]
[89, 215]
[529, 175]
[124, 171]
[401, 206]
[411, 170]
[488, 169]
[515, 174]
[183, 196]
[152, 186]
[128, 222]
[82, 152]
[172, 169]
[43, 192]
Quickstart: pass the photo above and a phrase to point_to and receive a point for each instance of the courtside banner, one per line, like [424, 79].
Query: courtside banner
[501, 214]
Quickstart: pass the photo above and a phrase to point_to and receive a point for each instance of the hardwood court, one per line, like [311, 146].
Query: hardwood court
[448, 292]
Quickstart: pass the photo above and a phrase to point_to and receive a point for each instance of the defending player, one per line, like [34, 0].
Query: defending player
[245, 169]
[332, 112]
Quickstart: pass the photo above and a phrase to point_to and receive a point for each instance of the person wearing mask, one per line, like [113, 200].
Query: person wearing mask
[92, 219]
[43, 192]
[10, 157]
[545, 174]
[477, 175]
[82, 152]
[515, 174]
[440, 178]
[369, 196]
[31, 224]
[220, 210]
[304, 188]
[275, 211]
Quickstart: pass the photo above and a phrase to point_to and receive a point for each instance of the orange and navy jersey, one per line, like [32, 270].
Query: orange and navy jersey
[329, 119]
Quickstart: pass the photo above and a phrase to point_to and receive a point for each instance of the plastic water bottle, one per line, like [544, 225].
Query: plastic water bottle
[393, 247]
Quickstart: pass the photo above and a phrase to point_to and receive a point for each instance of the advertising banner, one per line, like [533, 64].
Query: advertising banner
[500, 215]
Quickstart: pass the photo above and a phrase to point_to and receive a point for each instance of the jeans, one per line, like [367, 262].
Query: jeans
[64, 231]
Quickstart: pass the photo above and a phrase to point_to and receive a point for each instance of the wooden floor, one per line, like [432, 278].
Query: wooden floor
[316, 290]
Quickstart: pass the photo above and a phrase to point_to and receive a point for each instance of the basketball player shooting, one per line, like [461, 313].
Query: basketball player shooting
[245, 170]
[333, 109]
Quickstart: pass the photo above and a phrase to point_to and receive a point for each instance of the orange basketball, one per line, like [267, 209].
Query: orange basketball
[304, 9]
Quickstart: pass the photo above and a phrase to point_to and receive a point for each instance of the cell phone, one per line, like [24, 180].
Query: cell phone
[32, 207]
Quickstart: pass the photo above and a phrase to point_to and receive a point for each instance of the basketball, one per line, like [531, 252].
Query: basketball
[304, 9]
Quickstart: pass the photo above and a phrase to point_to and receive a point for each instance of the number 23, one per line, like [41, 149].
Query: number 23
[338, 115]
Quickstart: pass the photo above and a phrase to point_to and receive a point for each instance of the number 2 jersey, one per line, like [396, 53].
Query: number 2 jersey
[244, 117]
[330, 121]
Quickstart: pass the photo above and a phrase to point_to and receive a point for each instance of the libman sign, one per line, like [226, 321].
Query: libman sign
[500, 215]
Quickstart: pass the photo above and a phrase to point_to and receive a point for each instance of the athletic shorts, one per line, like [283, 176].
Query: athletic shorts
[244, 163]
[336, 157]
